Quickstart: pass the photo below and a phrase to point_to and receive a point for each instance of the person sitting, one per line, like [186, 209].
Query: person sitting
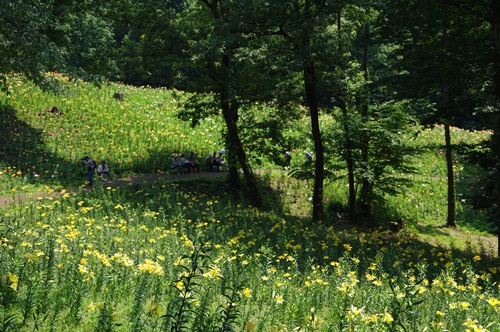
[209, 162]
[194, 164]
[185, 163]
[288, 158]
[221, 162]
[176, 164]
[103, 170]
[308, 157]
[215, 162]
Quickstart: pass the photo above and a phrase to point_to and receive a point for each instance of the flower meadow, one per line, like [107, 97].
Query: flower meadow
[173, 256]
[136, 135]
[191, 254]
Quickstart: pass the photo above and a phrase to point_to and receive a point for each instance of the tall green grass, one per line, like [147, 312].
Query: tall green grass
[185, 257]
[193, 255]
[136, 135]
[139, 135]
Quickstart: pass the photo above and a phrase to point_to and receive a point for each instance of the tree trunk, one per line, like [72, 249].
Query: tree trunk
[310, 88]
[230, 114]
[235, 147]
[450, 221]
[350, 164]
[366, 193]
[496, 130]
[348, 141]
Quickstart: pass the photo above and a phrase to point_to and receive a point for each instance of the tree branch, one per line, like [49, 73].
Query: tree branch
[478, 8]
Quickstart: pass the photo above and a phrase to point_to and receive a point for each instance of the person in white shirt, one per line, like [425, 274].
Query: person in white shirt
[221, 161]
[176, 164]
[308, 156]
[103, 169]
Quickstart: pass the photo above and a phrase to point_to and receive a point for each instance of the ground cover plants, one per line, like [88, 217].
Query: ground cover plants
[175, 256]
[138, 134]
[193, 255]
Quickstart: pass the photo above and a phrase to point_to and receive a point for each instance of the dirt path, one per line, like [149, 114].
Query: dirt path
[113, 183]
[487, 243]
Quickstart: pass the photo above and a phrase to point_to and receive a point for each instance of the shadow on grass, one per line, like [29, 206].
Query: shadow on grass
[27, 160]
[22, 148]
[208, 210]
[25, 157]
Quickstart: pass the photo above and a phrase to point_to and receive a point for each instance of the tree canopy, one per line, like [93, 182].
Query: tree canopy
[377, 66]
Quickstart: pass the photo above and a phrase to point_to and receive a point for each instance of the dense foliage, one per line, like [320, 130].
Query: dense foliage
[367, 87]
[177, 255]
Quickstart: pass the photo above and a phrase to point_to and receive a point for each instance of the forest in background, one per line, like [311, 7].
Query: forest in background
[377, 66]
[397, 101]
[168, 252]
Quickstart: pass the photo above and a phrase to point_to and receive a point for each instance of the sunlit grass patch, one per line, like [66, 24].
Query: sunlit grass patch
[165, 255]
[194, 255]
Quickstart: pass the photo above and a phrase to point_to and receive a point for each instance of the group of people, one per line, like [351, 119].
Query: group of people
[90, 165]
[287, 157]
[190, 165]
[214, 162]
[182, 163]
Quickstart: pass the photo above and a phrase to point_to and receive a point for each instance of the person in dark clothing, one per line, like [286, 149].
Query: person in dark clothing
[89, 164]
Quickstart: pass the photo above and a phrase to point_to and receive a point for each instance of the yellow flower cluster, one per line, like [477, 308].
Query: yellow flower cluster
[151, 267]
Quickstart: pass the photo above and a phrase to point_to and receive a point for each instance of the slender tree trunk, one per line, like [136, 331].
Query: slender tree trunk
[366, 194]
[450, 221]
[350, 164]
[310, 88]
[348, 141]
[496, 130]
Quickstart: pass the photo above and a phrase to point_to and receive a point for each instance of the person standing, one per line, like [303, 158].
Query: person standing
[90, 164]
[288, 158]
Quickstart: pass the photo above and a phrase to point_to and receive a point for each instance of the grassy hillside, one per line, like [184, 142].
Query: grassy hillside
[136, 135]
[192, 255]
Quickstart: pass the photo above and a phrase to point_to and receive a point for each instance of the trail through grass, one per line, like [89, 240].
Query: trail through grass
[166, 253]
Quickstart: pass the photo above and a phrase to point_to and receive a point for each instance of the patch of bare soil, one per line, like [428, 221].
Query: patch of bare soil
[476, 242]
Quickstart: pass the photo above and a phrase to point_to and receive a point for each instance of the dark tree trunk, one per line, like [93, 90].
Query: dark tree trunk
[496, 131]
[236, 148]
[310, 88]
[450, 221]
[230, 114]
[366, 194]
